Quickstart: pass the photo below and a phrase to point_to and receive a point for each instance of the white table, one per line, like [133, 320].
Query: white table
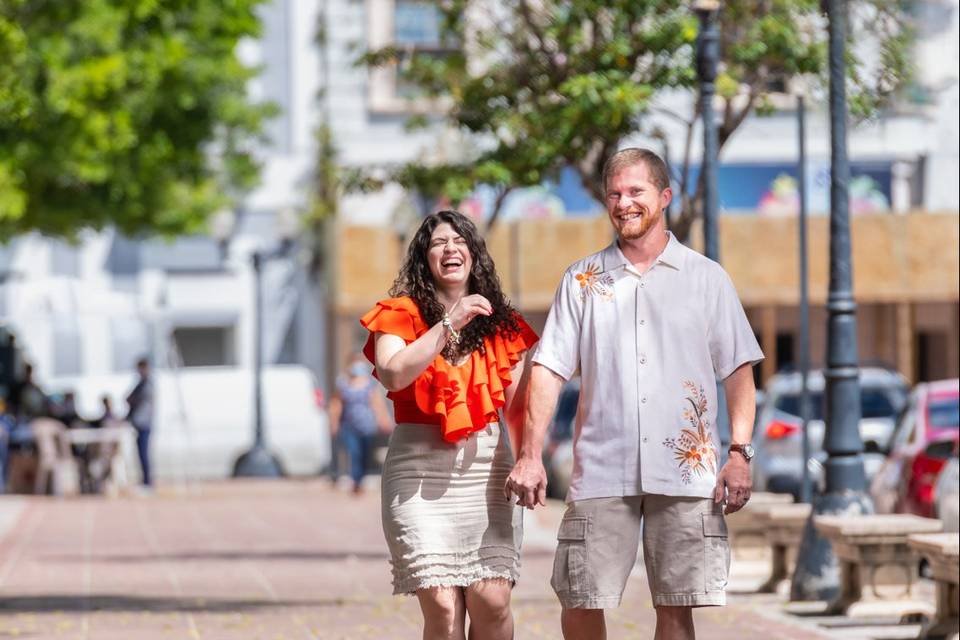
[121, 434]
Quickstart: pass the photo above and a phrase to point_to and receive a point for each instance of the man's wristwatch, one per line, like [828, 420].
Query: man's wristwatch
[746, 450]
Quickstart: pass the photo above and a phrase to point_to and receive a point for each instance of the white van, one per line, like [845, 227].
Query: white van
[203, 418]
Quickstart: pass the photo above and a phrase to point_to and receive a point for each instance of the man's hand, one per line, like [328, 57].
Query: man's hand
[733, 483]
[528, 481]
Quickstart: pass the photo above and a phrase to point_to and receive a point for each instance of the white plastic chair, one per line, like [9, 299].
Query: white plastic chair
[57, 469]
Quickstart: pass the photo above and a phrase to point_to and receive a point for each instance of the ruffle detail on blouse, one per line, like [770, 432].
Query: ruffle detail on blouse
[464, 398]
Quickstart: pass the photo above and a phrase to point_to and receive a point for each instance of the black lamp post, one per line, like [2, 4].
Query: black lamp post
[708, 51]
[805, 491]
[817, 574]
[258, 461]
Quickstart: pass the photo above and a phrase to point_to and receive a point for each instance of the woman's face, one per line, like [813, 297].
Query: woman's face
[449, 258]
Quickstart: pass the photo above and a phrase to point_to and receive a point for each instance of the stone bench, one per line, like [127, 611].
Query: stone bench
[941, 551]
[865, 544]
[783, 526]
[745, 528]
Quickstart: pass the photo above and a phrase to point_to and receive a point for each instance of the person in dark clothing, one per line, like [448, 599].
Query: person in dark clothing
[357, 413]
[140, 401]
[107, 416]
[27, 399]
[65, 410]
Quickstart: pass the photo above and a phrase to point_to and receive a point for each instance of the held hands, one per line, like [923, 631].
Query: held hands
[528, 481]
[733, 484]
[468, 308]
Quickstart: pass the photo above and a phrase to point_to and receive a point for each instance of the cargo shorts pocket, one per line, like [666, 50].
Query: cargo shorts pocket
[570, 562]
[716, 552]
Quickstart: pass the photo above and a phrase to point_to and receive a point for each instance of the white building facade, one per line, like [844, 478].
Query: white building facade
[95, 307]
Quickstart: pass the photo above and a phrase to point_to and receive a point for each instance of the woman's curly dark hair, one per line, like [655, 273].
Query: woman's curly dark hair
[416, 281]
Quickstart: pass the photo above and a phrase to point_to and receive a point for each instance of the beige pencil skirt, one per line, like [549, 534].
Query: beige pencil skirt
[445, 518]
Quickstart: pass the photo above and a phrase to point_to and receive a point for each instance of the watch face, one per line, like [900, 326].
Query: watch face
[748, 451]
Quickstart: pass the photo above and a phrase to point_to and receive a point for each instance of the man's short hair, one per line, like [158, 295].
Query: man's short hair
[631, 156]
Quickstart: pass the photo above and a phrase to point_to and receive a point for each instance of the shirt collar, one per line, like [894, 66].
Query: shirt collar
[673, 253]
[671, 256]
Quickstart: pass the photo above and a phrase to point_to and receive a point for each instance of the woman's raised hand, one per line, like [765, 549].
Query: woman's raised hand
[468, 308]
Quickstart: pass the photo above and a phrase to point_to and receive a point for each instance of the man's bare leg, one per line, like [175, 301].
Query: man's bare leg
[675, 623]
[583, 624]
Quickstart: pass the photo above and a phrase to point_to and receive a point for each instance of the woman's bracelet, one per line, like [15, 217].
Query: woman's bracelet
[454, 334]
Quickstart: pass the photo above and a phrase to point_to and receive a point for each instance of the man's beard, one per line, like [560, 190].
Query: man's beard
[638, 228]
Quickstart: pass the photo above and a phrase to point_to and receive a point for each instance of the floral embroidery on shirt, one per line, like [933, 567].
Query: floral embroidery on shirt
[694, 450]
[594, 283]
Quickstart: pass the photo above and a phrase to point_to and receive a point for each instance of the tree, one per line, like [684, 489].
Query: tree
[549, 84]
[125, 113]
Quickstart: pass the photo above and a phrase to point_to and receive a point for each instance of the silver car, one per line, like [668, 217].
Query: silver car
[778, 431]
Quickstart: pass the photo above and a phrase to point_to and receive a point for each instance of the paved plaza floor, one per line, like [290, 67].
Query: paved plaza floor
[276, 560]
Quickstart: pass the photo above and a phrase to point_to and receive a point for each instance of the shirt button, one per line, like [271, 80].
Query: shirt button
[643, 359]
[643, 322]
[643, 399]
[641, 285]
[644, 438]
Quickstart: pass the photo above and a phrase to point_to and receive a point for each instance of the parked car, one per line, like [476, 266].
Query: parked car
[778, 437]
[203, 417]
[558, 448]
[946, 495]
[925, 436]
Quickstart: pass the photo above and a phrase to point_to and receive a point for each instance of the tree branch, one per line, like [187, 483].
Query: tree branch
[687, 149]
[498, 206]
[590, 167]
[733, 123]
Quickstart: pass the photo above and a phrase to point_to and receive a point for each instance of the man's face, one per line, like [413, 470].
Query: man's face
[635, 203]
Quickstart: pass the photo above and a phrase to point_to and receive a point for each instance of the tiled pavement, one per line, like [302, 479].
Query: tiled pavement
[271, 561]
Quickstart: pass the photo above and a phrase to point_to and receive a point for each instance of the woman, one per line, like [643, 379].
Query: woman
[357, 413]
[449, 348]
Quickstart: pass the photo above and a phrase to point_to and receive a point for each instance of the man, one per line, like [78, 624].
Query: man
[140, 415]
[650, 325]
[27, 399]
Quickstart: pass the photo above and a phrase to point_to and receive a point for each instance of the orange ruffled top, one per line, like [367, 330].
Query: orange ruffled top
[461, 399]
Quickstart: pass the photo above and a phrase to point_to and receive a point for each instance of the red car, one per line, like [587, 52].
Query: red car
[927, 431]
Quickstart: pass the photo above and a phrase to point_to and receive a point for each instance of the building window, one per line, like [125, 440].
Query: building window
[931, 355]
[186, 254]
[785, 351]
[131, 341]
[206, 346]
[64, 259]
[124, 256]
[413, 27]
[416, 23]
[67, 356]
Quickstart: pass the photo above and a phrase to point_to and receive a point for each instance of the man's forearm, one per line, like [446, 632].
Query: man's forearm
[542, 394]
[741, 403]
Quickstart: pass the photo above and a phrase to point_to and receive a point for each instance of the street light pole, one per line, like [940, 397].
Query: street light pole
[804, 302]
[708, 44]
[817, 574]
[257, 462]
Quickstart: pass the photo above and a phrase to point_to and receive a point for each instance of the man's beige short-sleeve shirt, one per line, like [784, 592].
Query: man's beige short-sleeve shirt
[649, 348]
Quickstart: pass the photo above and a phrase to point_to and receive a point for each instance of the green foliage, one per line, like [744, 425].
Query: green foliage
[130, 113]
[554, 83]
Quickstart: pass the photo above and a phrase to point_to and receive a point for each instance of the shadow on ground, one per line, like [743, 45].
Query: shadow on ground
[215, 556]
[64, 603]
[234, 556]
